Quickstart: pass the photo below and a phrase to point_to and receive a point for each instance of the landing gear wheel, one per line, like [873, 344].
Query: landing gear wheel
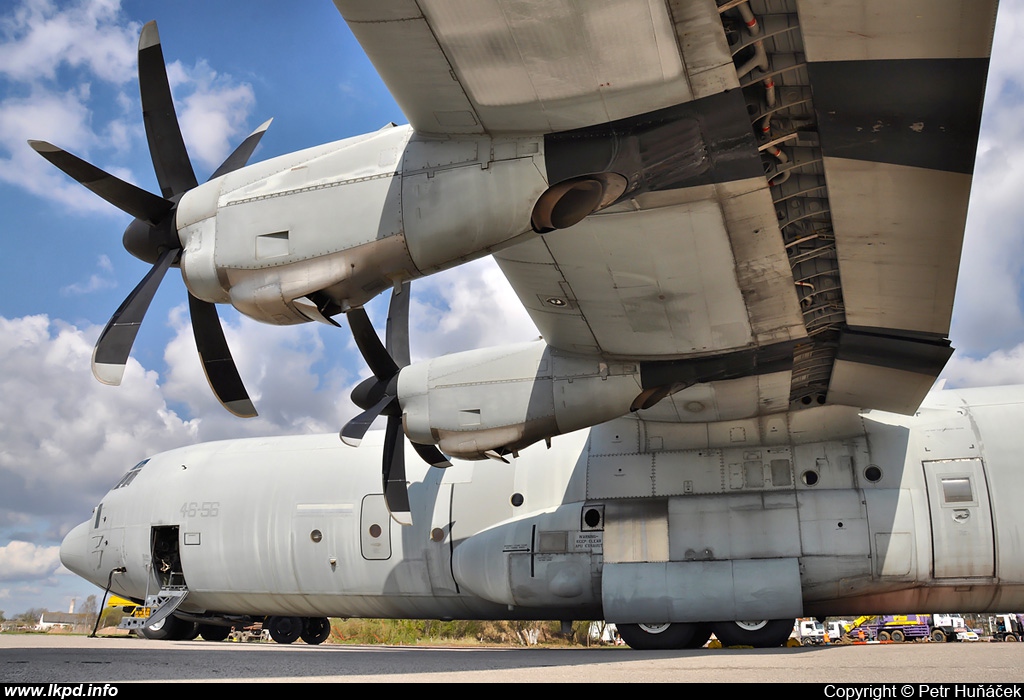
[664, 635]
[939, 636]
[898, 636]
[214, 633]
[172, 629]
[316, 630]
[284, 630]
[760, 634]
[701, 635]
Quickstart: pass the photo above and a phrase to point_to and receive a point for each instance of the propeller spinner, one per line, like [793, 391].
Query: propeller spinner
[153, 236]
[378, 395]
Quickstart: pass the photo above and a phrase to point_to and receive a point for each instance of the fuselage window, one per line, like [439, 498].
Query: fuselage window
[957, 490]
[130, 476]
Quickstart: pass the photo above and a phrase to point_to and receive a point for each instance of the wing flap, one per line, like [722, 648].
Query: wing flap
[701, 273]
[899, 231]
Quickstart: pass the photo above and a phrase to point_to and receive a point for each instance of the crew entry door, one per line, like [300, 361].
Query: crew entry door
[961, 518]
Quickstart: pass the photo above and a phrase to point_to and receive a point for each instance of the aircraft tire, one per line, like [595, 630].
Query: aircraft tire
[284, 630]
[760, 634]
[316, 630]
[171, 628]
[214, 633]
[672, 635]
[701, 635]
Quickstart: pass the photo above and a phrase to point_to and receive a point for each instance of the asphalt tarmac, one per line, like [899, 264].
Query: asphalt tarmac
[77, 659]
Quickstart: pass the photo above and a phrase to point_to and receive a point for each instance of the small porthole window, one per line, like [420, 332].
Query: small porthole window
[437, 534]
[517, 499]
[873, 474]
[957, 490]
[810, 477]
[316, 535]
[375, 530]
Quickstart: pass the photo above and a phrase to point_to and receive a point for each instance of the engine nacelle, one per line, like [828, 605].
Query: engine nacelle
[344, 221]
[502, 399]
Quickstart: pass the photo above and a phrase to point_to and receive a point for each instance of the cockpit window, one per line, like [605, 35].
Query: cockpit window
[132, 473]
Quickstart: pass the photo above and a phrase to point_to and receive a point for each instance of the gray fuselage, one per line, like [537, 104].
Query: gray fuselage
[821, 512]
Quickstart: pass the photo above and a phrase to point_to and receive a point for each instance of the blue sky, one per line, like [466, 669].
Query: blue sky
[67, 75]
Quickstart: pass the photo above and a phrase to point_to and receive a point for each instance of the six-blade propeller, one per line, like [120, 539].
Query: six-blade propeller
[378, 395]
[153, 236]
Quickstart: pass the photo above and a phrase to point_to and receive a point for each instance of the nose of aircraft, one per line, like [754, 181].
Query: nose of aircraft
[74, 550]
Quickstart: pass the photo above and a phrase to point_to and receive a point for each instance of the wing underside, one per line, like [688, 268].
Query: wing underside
[799, 174]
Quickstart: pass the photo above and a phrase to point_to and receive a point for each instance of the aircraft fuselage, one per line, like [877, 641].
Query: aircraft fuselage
[820, 512]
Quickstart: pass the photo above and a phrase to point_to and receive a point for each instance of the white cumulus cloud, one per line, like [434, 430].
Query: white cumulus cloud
[64, 437]
[24, 560]
[39, 37]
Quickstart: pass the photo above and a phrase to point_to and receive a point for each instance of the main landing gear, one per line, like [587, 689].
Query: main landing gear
[693, 635]
[668, 635]
[285, 630]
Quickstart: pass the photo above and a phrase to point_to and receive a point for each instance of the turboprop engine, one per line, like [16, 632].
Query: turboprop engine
[307, 235]
[451, 401]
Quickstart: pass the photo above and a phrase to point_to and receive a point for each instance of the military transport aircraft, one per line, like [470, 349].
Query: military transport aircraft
[738, 228]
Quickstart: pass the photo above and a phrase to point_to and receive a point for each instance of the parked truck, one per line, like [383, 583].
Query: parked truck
[1006, 627]
[901, 628]
[951, 628]
[809, 632]
[836, 629]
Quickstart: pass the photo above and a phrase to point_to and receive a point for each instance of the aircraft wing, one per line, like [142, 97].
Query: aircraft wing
[797, 174]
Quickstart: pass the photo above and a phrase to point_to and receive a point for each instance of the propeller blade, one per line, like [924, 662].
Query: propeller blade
[110, 355]
[397, 334]
[386, 362]
[353, 432]
[396, 490]
[368, 392]
[123, 195]
[368, 342]
[240, 156]
[432, 455]
[217, 361]
[153, 235]
[166, 146]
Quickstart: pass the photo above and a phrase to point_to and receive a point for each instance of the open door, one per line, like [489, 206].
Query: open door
[167, 556]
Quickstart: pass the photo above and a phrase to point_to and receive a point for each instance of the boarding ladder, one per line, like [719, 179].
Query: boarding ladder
[157, 608]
